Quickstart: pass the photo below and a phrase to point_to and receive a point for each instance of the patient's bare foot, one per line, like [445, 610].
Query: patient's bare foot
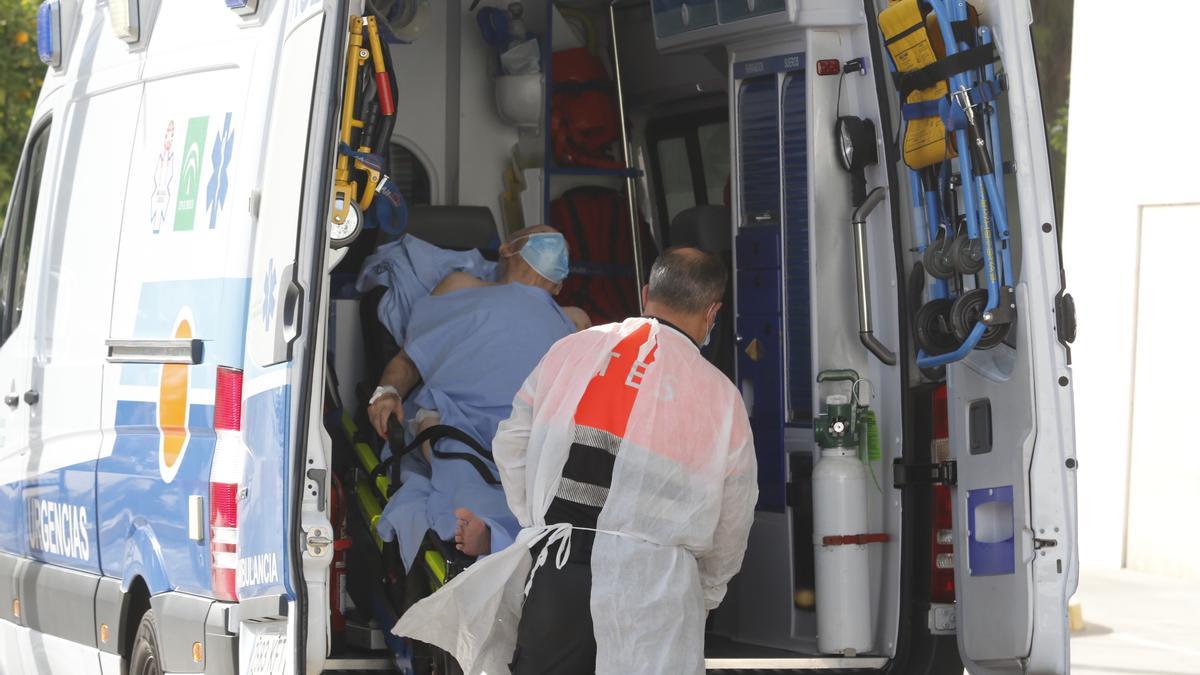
[472, 536]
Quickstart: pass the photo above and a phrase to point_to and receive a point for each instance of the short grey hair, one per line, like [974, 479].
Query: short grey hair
[687, 279]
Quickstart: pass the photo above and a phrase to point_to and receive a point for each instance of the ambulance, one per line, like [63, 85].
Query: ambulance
[183, 341]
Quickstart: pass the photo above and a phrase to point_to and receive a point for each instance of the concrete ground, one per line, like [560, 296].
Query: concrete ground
[1136, 623]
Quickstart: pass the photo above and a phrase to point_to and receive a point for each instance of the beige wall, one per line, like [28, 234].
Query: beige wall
[1132, 146]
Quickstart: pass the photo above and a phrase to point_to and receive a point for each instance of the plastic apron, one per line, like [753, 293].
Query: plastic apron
[673, 528]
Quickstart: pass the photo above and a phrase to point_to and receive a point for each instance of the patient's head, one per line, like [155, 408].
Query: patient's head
[534, 256]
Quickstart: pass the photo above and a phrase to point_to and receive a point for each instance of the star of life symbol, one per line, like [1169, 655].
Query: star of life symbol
[268, 306]
[218, 184]
[164, 175]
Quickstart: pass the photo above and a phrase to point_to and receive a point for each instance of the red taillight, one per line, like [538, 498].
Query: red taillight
[224, 480]
[223, 518]
[829, 67]
[941, 555]
[227, 413]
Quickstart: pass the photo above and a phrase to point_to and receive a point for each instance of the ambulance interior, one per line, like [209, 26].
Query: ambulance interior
[729, 110]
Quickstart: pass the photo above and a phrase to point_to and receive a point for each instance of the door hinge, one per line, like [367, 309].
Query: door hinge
[905, 475]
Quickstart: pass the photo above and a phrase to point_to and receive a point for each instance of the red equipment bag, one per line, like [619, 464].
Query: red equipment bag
[584, 123]
[595, 222]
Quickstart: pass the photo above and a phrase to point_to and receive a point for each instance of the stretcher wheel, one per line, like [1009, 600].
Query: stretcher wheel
[966, 254]
[934, 333]
[966, 312]
[343, 234]
[938, 261]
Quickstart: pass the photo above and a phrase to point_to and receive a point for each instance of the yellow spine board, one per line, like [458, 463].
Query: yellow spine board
[906, 33]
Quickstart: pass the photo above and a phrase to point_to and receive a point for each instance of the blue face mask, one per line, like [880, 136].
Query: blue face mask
[546, 253]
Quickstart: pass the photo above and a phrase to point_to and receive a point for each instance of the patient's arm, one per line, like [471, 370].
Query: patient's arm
[457, 281]
[426, 422]
[402, 374]
[578, 317]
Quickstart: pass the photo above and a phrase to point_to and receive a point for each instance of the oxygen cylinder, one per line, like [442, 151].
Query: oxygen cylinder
[839, 482]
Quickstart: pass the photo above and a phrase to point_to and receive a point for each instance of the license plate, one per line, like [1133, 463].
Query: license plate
[270, 654]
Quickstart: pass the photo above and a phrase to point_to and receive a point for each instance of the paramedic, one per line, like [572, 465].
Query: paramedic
[468, 346]
[629, 462]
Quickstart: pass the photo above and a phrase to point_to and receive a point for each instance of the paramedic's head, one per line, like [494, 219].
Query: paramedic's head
[535, 256]
[686, 288]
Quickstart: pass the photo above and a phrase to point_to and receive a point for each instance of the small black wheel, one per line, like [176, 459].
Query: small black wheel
[966, 254]
[967, 311]
[144, 654]
[934, 333]
[938, 261]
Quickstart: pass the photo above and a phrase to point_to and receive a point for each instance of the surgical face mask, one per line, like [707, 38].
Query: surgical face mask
[546, 253]
[708, 336]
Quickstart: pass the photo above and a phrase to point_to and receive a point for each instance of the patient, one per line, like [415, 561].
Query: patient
[467, 349]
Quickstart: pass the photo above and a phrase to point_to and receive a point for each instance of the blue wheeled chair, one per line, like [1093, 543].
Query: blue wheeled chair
[968, 255]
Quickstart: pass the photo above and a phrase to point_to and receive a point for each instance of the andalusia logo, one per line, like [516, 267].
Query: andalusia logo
[173, 405]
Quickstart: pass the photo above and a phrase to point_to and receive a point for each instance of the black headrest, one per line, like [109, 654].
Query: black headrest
[704, 227]
[455, 227]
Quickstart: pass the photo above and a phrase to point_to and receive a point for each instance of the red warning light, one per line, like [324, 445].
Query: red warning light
[829, 67]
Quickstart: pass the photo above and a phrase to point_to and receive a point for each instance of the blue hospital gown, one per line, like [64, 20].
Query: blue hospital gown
[474, 348]
[411, 268]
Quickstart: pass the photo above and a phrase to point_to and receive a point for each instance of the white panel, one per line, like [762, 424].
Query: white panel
[421, 104]
[1164, 465]
[10, 647]
[76, 275]
[48, 655]
[279, 214]
[1100, 232]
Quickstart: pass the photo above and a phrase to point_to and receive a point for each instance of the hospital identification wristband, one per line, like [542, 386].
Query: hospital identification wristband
[381, 391]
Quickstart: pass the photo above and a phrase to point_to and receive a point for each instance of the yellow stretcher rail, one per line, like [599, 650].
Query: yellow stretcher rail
[345, 190]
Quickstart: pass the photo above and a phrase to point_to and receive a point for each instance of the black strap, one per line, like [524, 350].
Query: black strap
[975, 57]
[920, 25]
[579, 233]
[963, 31]
[432, 435]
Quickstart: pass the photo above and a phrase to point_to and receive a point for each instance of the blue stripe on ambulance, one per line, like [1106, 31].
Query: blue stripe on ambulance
[143, 519]
[264, 526]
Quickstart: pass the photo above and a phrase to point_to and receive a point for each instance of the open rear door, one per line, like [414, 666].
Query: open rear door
[1012, 421]
[281, 563]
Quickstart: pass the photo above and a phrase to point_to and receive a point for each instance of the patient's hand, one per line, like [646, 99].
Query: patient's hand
[472, 536]
[578, 317]
[384, 409]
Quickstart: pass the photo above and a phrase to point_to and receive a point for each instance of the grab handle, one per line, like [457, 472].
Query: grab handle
[866, 331]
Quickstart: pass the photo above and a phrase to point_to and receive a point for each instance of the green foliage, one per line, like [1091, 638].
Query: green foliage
[20, 80]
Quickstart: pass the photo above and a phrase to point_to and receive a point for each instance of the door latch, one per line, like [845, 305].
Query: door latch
[905, 475]
[317, 541]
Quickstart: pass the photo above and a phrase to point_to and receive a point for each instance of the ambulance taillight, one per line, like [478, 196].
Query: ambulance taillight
[942, 547]
[224, 480]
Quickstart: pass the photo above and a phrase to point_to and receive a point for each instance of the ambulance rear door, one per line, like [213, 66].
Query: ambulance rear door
[1011, 419]
[282, 564]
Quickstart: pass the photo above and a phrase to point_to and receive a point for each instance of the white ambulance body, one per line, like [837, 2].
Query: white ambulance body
[168, 333]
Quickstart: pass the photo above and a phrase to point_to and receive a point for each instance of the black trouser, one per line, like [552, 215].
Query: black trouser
[555, 634]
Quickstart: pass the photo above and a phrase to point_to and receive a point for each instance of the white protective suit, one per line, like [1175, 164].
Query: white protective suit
[672, 531]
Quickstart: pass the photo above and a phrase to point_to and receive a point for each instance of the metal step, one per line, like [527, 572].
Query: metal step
[742, 665]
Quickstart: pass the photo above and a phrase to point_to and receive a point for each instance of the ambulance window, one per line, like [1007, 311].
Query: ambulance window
[409, 173]
[689, 158]
[676, 176]
[714, 153]
[19, 233]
